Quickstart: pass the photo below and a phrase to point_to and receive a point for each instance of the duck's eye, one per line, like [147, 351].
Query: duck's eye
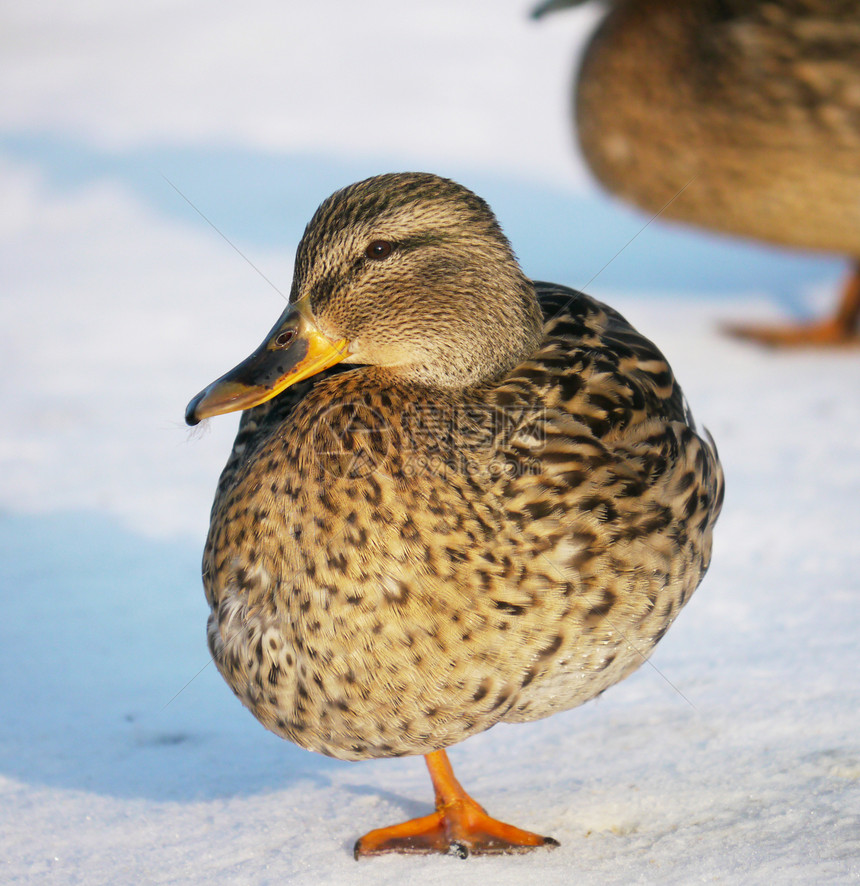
[378, 249]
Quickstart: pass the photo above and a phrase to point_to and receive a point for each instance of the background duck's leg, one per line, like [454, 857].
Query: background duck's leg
[842, 329]
[459, 826]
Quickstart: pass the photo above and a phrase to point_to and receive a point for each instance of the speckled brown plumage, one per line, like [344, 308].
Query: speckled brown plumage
[394, 565]
[738, 115]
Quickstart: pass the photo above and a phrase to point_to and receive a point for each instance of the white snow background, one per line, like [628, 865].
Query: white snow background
[733, 758]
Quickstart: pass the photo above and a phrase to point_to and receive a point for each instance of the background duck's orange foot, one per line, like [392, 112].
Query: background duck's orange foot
[811, 335]
[461, 828]
[840, 330]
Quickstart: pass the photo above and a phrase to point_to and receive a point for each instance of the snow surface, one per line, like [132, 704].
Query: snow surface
[732, 758]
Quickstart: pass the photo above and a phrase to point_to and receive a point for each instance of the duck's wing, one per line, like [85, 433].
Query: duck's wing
[637, 438]
[621, 376]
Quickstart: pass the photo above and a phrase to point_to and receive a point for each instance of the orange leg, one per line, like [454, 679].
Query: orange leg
[840, 330]
[459, 826]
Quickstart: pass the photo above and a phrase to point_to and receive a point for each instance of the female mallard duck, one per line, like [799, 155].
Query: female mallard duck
[739, 115]
[495, 518]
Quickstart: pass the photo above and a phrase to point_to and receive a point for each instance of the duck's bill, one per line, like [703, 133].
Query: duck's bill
[293, 350]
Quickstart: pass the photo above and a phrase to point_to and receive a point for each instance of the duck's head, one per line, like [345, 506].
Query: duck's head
[409, 272]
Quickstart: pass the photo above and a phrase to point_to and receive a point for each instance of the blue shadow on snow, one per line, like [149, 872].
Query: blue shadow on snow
[102, 639]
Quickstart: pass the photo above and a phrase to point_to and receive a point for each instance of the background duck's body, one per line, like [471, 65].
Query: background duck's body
[738, 115]
[495, 519]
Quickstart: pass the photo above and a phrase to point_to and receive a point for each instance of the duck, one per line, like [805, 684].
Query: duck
[457, 497]
[740, 116]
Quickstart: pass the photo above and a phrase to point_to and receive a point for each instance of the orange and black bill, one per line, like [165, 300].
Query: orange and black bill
[294, 350]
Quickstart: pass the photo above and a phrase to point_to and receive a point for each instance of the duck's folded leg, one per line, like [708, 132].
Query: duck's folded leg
[840, 330]
[459, 826]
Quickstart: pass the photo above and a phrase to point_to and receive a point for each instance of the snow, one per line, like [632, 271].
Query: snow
[732, 757]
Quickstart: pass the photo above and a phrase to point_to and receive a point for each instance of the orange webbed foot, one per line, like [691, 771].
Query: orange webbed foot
[842, 330]
[826, 334]
[459, 826]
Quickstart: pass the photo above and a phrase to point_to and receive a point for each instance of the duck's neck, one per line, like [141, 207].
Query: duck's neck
[482, 343]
